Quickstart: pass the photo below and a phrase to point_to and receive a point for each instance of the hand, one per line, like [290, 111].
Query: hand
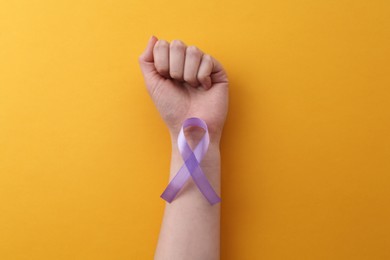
[184, 82]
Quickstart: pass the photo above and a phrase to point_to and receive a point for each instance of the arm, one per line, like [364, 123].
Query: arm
[184, 82]
[190, 228]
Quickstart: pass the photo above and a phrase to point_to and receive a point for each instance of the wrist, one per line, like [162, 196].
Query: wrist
[194, 135]
[210, 162]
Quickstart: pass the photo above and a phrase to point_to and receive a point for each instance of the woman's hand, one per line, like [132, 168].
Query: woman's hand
[184, 82]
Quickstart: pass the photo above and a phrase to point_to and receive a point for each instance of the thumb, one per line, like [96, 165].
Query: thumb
[218, 73]
[146, 59]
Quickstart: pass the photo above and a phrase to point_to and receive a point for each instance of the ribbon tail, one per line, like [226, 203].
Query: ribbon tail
[201, 181]
[176, 184]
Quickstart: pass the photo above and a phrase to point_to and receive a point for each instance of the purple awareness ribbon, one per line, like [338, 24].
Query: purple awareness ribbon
[191, 166]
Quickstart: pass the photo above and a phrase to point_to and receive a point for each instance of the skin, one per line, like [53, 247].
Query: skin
[184, 82]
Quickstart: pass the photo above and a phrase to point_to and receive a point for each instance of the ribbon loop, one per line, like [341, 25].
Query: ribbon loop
[191, 166]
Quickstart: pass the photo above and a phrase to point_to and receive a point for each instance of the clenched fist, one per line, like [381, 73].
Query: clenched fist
[185, 82]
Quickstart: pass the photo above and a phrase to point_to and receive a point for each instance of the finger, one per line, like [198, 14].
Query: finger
[146, 58]
[204, 73]
[191, 65]
[177, 54]
[161, 57]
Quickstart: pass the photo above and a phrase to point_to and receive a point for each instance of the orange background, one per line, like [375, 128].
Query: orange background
[84, 155]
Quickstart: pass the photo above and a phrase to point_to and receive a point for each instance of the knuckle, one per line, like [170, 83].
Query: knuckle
[193, 50]
[177, 45]
[161, 44]
[207, 58]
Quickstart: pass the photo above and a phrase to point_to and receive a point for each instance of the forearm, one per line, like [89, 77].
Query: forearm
[191, 226]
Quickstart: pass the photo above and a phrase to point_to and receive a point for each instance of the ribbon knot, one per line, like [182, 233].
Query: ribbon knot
[191, 166]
